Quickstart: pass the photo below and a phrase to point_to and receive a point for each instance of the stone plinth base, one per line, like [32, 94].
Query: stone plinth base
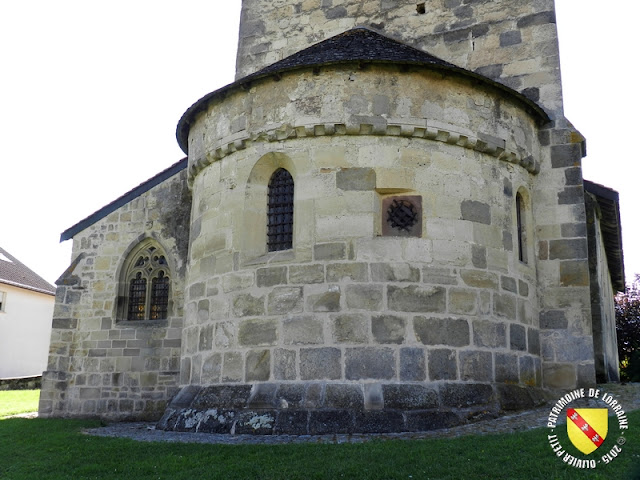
[325, 408]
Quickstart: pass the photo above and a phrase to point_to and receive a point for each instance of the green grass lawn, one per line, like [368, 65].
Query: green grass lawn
[56, 449]
[13, 402]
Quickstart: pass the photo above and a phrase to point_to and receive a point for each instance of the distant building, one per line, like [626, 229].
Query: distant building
[26, 310]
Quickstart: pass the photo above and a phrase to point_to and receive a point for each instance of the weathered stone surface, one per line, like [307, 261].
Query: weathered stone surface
[258, 366]
[574, 273]
[233, 367]
[369, 363]
[514, 397]
[270, 276]
[550, 319]
[409, 397]
[479, 256]
[302, 330]
[291, 423]
[476, 366]
[364, 297]
[475, 211]
[443, 364]
[559, 375]
[463, 395]
[463, 301]
[479, 279]
[283, 300]
[306, 274]
[356, 179]
[245, 305]
[416, 299]
[211, 368]
[412, 365]
[489, 334]
[431, 420]
[284, 364]
[379, 422]
[504, 305]
[330, 251]
[388, 328]
[442, 331]
[517, 337]
[320, 363]
[394, 272]
[350, 328]
[263, 395]
[568, 249]
[325, 302]
[222, 396]
[258, 332]
[331, 421]
[344, 397]
[506, 367]
[354, 272]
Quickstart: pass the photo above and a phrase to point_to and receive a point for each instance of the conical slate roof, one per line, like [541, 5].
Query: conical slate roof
[358, 44]
[15, 273]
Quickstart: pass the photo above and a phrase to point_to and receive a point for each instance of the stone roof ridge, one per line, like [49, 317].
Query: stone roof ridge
[359, 43]
[15, 273]
[124, 199]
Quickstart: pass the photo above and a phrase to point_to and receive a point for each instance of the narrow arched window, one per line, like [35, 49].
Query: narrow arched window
[521, 228]
[280, 211]
[145, 284]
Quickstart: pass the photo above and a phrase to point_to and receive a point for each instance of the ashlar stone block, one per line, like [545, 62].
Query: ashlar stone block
[284, 300]
[489, 334]
[388, 329]
[320, 363]
[417, 298]
[302, 330]
[350, 328]
[442, 331]
[476, 366]
[258, 366]
[256, 332]
[413, 367]
[443, 364]
[364, 297]
[370, 363]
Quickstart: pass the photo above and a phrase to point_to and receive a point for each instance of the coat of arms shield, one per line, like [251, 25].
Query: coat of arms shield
[587, 427]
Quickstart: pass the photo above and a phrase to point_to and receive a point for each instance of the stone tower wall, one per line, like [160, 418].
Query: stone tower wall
[511, 41]
[350, 312]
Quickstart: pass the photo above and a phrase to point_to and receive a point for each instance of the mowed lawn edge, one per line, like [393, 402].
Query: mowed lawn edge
[57, 449]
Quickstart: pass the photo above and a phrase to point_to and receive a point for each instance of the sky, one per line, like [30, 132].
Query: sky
[91, 92]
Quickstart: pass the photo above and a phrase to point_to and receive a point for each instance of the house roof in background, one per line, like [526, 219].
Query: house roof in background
[609, 204]
[124, 199]
[15, 273]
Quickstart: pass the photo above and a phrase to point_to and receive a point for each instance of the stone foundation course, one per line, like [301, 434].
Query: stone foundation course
[339, 408]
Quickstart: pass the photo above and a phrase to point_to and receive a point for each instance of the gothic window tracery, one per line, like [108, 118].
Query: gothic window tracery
[146, 283]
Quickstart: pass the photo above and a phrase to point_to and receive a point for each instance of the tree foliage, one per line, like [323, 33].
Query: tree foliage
[628, 330]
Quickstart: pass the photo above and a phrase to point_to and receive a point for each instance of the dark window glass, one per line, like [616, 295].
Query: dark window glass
[521, 232]
[280, 211]
[137, 297]
[159, 296]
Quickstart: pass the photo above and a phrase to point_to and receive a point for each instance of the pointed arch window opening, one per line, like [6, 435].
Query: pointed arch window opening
[148, 284]
[280, 211]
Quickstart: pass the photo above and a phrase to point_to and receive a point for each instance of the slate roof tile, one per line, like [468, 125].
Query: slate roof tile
[17, 274]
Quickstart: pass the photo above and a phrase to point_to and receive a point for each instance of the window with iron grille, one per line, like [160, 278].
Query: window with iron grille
[280, 211]
[147, 281]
